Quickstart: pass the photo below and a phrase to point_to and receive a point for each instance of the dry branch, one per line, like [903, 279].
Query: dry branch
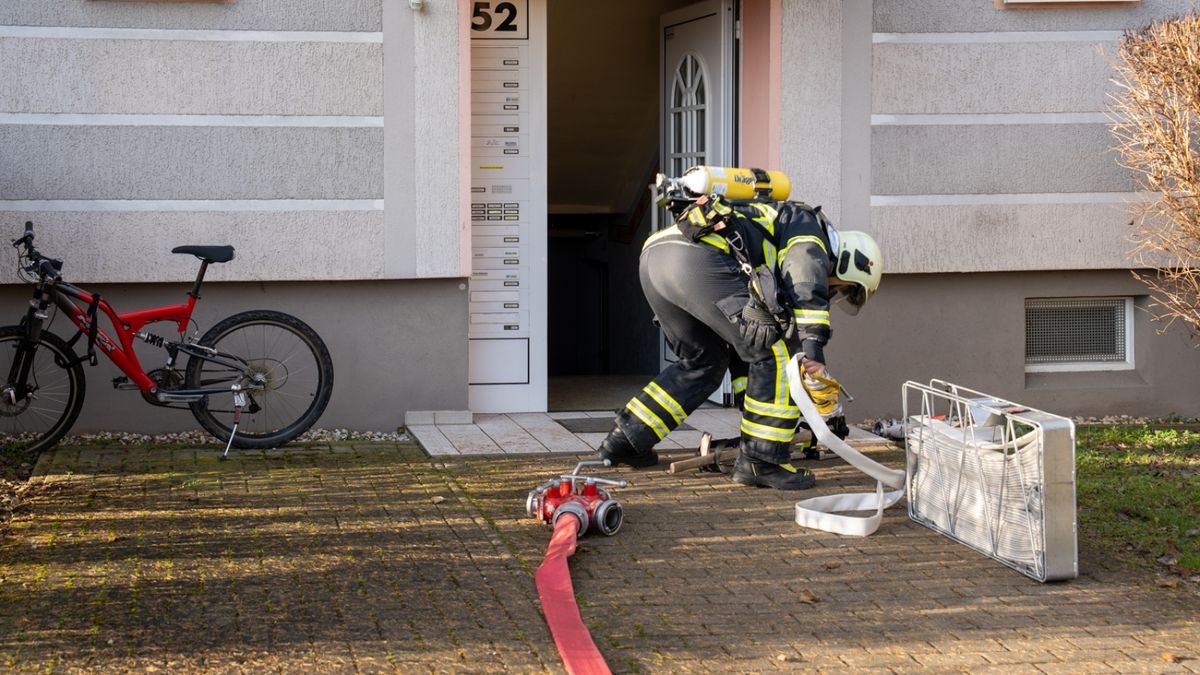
[1156, 114]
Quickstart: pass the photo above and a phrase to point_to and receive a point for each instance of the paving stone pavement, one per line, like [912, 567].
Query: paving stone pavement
[376, 558]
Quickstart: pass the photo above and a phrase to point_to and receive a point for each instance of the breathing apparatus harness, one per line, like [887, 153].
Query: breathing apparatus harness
[712, 213]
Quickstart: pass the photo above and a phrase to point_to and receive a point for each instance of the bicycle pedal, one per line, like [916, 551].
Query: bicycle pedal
[123, 383]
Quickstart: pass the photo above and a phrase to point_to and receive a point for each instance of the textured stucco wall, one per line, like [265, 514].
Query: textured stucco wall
[826, 145]
[121, 247]
[990, 144]
[190, 77]
[439, 209]
[160, 162]
[940, 16]
[856, 169]
[999, 77]
[311, 15]
[995, 159]
[99, 126]
[394, 345]
[981, 238]
[256, 101]
[811, 145]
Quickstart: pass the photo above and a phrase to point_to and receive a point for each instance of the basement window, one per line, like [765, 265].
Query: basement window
[1078, 334]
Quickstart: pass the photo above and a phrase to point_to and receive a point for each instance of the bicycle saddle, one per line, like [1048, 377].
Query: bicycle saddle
[209, 254]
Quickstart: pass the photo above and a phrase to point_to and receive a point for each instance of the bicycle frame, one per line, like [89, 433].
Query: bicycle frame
[126, 326]
[47, 403]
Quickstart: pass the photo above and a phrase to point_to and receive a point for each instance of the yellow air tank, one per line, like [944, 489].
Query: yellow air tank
[735, 183]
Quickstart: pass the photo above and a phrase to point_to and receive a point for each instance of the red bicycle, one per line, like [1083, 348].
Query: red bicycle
[257, 379]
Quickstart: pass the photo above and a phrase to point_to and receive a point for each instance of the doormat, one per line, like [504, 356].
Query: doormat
[598, 425]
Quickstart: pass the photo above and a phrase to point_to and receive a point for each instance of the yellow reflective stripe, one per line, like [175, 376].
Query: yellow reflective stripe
[783, 412]
[717, 241]
[802, 239]
[650, 419]
[739, 384]
[674, 229]
[721, 208]
[713, 239]
[769, 214]
[767, 224]
[809, 317]
[769, 253]
[779, 349]
[664, 399]
[769, 433]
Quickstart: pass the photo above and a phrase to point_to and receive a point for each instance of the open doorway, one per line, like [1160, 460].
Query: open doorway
[603, 62]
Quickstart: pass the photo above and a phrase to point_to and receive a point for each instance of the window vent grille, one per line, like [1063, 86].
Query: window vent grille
[1078, 333]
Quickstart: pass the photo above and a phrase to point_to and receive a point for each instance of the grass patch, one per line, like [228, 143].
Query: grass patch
[1138, 495]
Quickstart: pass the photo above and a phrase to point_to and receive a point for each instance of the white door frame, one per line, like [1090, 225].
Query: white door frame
[722, 151]
[727, 77]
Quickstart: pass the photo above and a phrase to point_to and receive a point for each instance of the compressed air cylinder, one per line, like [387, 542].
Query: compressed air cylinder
[735, 183]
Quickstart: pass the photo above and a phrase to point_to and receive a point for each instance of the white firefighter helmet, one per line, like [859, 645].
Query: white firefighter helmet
[859, 265]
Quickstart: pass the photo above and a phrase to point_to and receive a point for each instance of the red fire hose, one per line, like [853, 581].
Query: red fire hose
[572, 504]
[553, 579]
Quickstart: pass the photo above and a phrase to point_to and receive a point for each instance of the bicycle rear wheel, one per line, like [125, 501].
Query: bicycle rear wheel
[56, 389]
[289, 382]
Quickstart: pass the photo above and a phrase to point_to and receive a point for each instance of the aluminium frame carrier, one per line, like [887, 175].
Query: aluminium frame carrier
[994, 475]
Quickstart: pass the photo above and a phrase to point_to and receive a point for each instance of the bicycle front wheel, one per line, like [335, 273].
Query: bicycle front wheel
[55, 393]
[288, 378]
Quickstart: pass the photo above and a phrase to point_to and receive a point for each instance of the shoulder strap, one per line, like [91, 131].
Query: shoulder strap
[711, 215]
[732, 232]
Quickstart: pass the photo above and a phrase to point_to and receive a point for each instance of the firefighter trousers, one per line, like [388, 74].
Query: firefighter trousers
[683, 282]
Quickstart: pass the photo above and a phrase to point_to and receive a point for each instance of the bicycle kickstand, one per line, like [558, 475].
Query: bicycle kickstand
[239, 402]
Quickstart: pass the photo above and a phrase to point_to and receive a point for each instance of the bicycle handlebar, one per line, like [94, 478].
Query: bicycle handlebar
[49, 267]
[43, 266]
[27, 240]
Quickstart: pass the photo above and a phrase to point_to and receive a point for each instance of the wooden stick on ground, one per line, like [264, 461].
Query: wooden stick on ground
[708, 456]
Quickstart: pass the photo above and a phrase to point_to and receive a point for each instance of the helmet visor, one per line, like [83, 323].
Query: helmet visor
[849, 297]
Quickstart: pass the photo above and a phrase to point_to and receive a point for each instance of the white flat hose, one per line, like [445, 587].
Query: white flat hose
[826, 513]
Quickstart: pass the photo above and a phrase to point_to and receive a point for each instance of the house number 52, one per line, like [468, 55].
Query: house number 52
[483, 16]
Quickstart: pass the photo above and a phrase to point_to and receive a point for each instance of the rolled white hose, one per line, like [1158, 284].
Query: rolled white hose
[826, 513]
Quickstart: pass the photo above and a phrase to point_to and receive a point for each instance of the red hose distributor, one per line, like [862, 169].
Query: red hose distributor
[578, 496]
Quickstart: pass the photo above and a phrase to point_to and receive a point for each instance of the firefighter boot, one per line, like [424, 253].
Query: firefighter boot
[750, 471]
[617, 449]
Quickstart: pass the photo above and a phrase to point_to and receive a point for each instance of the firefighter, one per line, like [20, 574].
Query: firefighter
[743, 286]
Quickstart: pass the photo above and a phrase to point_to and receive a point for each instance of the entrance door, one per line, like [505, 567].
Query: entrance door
[697, 102]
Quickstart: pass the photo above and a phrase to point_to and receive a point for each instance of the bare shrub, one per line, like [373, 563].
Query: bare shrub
[1156, 116]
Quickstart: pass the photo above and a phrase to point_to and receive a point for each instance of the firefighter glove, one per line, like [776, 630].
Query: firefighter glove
[758, 328]
[826, 393]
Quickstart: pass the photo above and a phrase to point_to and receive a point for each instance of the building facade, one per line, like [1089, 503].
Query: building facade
[353, 153]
